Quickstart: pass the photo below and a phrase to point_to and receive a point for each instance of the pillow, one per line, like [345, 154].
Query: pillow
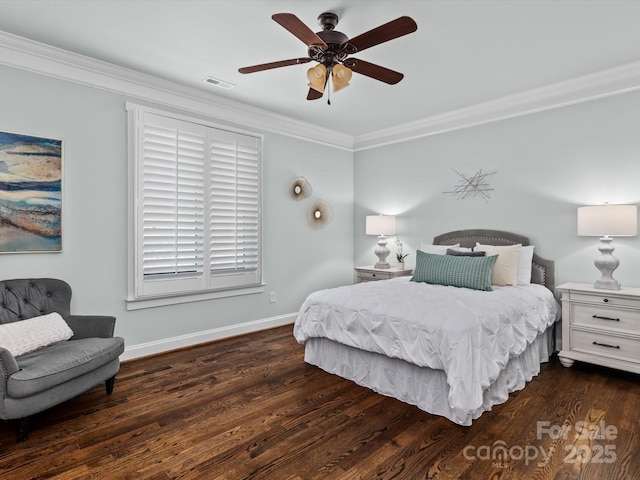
[437, 249]
[465, 253]
[467, 272]
[505, 272]
[25, 336]
[524, 265]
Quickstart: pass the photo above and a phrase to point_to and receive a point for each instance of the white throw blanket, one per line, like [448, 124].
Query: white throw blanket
[467, 333]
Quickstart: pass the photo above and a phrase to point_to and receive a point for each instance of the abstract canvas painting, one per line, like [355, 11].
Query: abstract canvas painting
[30, 194]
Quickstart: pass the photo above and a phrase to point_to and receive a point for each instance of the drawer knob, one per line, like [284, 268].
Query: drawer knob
[605, 318]
[606, 300]
[607, 345]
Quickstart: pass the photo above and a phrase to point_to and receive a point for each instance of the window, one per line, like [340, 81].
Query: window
[196, 213]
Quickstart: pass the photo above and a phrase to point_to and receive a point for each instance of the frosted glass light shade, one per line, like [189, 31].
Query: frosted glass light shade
[317, 77]
[341, 76]
[381, 225]
[608, 220]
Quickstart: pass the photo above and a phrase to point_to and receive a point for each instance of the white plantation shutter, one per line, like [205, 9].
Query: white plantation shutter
[197, 219]
[235, 208]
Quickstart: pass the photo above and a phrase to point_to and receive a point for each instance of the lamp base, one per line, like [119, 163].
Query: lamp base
[382, 252]
[612, 284]
[606, 263]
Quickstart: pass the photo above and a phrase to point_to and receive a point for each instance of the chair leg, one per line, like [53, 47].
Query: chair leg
[109, 384]
[22, 429]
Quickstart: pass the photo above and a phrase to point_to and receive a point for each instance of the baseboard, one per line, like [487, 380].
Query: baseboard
[167, 344]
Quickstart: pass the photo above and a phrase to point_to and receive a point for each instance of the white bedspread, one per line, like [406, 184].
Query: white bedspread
[468, 334]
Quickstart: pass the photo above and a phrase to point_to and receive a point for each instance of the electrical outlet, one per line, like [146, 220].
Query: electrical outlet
[273, 297]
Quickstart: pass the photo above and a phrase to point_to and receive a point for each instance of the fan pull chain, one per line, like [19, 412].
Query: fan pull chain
[329, 93]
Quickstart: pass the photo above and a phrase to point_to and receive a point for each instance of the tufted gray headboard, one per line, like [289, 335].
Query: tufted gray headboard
[543, 270]
[30, 297]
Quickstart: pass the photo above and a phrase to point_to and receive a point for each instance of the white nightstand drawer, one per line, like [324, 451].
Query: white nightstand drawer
[597, 316]
[605, 345]
[600, 326]
[370, 276]
[604, 299]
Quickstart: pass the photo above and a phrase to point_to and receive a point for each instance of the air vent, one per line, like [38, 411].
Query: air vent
[218, 83]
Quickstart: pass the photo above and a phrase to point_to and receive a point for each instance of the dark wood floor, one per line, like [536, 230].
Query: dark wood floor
[249, 407]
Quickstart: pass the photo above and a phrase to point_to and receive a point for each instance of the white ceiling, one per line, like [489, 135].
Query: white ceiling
[464, 52]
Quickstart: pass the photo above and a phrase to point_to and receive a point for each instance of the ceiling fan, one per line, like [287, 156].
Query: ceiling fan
[332, 50]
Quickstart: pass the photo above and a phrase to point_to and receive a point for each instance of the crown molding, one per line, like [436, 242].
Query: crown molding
[613, 81]
[36, 57]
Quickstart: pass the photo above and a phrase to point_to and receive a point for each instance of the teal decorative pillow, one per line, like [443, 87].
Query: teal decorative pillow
[467, 272]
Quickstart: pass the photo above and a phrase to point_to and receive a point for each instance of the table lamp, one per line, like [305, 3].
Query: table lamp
[607, 221]
[381, 225]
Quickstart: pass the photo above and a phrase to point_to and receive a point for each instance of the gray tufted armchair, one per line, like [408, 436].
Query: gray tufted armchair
[38, 380]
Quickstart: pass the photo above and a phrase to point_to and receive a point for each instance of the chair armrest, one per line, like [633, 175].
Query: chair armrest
[8, 366]
[85, 326]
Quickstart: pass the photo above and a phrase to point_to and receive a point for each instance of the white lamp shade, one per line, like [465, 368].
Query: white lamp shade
[608, 220]
[381, 225]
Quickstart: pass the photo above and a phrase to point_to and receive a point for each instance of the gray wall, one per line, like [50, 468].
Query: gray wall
[92, 125]
[547, 164]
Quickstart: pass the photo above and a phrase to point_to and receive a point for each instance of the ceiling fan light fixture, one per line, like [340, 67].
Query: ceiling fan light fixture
[317, 77]
[330, 48]
[340, 77]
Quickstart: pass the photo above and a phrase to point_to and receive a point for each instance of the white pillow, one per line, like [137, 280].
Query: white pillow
[437, 249]
[524, 265]
[25, 336]
[505, 271]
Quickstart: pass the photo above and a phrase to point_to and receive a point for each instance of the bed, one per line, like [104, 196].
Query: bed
[451, 351]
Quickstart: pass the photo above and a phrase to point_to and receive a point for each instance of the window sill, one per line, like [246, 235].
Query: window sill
[140, 303]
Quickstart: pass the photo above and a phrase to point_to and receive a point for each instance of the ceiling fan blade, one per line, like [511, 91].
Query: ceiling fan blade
[268, 66]
[299, 29]
[374, 71]
[393, 29]
[314, 94]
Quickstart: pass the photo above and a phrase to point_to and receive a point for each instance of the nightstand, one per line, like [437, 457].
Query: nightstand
[600, 326]
[370, 274]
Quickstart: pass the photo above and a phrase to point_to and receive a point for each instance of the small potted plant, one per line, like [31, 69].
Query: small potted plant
[399, 255]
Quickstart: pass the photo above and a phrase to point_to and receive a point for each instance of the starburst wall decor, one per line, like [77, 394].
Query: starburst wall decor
[475, 185]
